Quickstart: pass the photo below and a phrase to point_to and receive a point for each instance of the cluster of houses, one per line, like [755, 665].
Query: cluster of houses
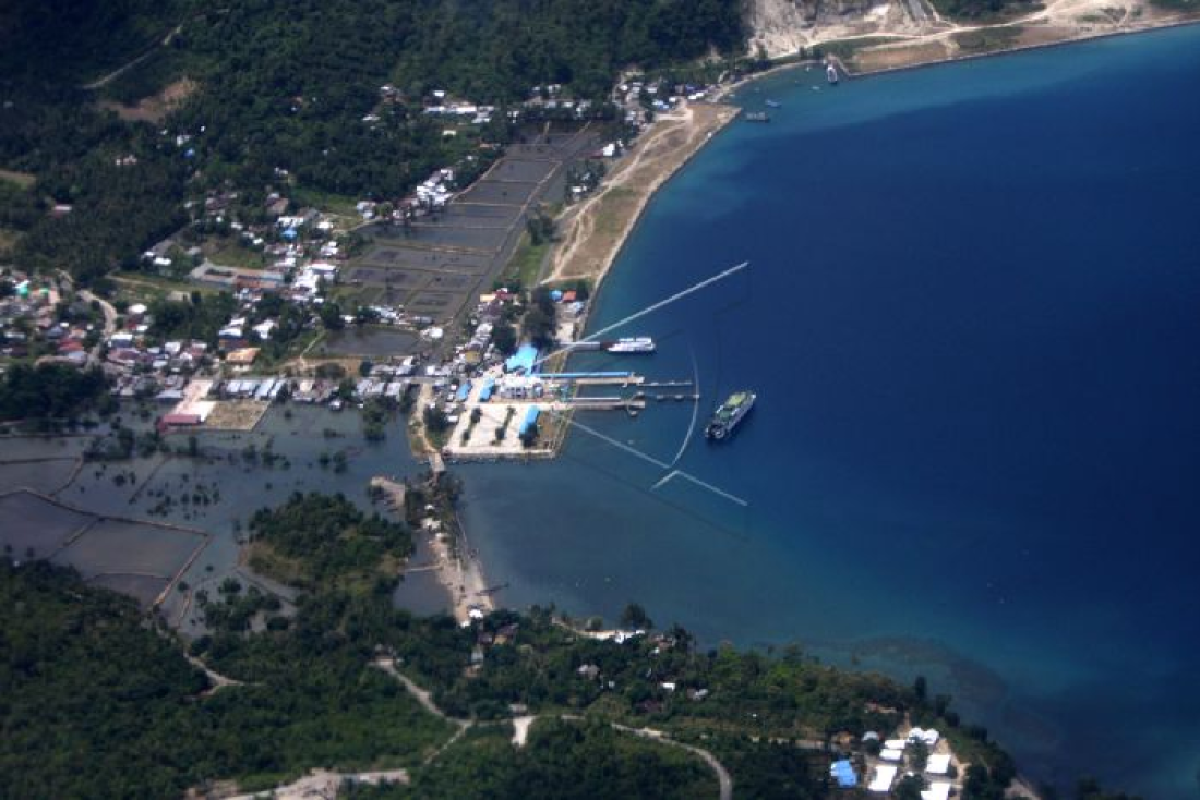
[32, 321]
[937, 769]
[549, 97]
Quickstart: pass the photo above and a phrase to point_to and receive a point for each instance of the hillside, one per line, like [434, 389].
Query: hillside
[875, 34]
[125, 110]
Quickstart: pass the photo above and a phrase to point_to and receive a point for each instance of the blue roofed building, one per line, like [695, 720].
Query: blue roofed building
[531, 418]
[522, 362]
[843, 772]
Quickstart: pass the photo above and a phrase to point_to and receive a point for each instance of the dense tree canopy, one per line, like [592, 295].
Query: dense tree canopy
[318, 539]
[49, 391]
[97, 705]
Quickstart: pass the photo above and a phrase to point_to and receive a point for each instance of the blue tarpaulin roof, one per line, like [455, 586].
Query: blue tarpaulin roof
[531, 418]
[485, 393]
[844, 772]
[524, 358]
[463, 391]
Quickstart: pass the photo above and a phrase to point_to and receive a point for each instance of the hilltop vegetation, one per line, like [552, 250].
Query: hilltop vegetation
[97, 704]
[65, 40]
[565, 760]
[286, 86]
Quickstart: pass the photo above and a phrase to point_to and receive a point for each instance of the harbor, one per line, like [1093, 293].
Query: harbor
[483, 413]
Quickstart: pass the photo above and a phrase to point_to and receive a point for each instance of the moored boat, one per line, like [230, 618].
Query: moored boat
[730, 414]
[631, 344]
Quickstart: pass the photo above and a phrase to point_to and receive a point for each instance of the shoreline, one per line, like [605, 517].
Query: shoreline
[574, 218]
[651, 153]
[727, 93]
[1019, 48]
[462, 575]
[720, 100]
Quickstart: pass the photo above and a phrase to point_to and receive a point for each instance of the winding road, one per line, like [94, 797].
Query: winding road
[425, 698]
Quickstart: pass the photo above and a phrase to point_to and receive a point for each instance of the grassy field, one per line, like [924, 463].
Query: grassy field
[139, 286]
[985, 41]
[231, 253]
[338, 204]
[8, 239]
[526, 263]
[22, 179]
[845, 49]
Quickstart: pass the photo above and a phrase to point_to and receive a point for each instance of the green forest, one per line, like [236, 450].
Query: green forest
[275, 86]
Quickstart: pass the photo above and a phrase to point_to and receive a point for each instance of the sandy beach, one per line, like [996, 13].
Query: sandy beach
[594, 231]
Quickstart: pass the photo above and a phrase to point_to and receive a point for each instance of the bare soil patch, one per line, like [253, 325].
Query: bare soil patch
[156, 107]
[23, 179]
[900, 56]
[237, 415]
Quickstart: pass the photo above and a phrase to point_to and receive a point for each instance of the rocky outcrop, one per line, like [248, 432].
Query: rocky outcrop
[782, 27]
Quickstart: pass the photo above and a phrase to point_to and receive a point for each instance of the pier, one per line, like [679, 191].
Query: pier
[600, 404]
[601, 380]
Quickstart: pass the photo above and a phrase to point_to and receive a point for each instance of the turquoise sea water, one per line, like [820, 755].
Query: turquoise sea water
[973, 321]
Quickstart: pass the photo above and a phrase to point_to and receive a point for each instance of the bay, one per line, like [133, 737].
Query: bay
[971, 318]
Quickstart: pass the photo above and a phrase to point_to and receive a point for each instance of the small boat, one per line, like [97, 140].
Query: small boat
[774, 104]
[757, 116]
[831, 73]
[631, 344]
[730, 414]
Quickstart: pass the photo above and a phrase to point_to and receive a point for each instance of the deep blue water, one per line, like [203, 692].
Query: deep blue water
[972, 318]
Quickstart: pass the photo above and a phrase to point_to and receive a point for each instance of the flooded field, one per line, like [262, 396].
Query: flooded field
[369, 342]
[139, 558]
[32, 523]
[296, 448]
[46, 476]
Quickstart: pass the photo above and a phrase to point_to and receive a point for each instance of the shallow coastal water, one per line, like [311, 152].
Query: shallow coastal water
[971, 319]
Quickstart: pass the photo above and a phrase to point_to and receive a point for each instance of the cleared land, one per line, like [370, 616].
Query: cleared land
[236, 415]
[594, 230]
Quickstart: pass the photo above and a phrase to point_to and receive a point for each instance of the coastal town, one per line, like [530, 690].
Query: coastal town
[329, 450]
[415, 307]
